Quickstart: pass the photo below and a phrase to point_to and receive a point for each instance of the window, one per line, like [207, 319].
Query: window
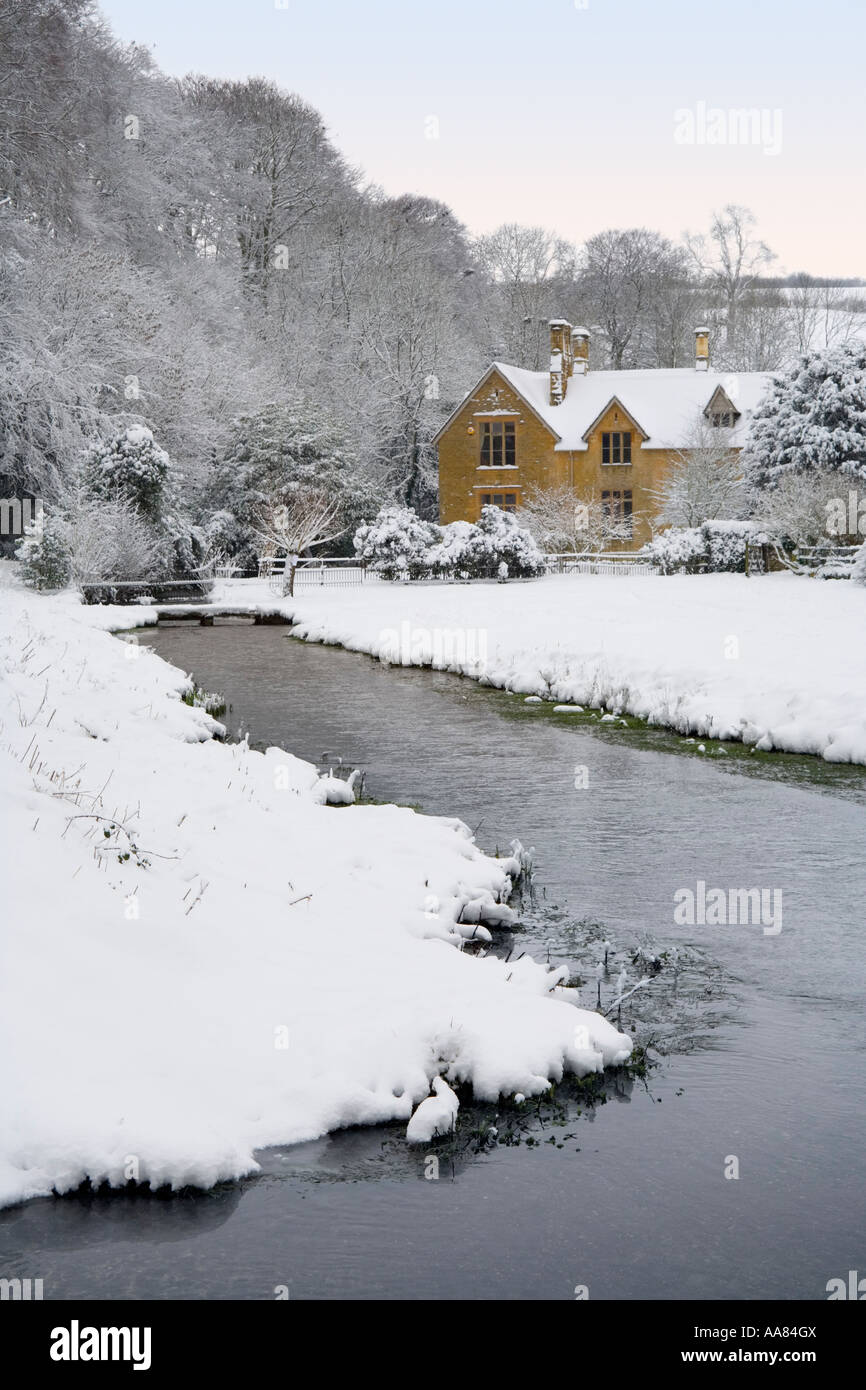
[722, 419]
[617, 507]
[498, 444]
[507, 501]
[616, 446]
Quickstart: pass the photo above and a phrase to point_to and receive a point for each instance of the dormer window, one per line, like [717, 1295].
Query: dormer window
[498, 444]
[616, 446]
[720, 412]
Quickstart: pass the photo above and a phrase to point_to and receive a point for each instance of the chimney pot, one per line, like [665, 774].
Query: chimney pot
[702, 349]
[561, 359]
[580, 348]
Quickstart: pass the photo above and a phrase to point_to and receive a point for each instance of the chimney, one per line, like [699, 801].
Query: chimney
[580, 347]
[702, 349]
[561, 360]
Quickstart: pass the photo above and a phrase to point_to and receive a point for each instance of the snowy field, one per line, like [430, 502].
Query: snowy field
[777, 661]
[200, 958]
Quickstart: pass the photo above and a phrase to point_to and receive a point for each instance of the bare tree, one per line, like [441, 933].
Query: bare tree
[729, 261]
[822, 315]
[561, 520]
[704, 481]
[798, 511]
[308, 518]
[630, 283]
[528, 268]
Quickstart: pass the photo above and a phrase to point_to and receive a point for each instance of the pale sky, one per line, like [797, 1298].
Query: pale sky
[564, 112]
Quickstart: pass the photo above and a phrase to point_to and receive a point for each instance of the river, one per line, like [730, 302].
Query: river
[760, 1036]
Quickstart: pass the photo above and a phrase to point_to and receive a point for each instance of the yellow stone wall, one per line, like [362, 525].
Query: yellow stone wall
[462, 480]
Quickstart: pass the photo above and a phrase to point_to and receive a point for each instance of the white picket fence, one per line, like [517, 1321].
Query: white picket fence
[337, 573]
[342, 573]
[599, 564]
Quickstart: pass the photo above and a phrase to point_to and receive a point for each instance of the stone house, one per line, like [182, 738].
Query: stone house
[609, 436]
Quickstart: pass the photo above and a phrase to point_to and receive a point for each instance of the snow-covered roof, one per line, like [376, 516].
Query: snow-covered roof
[665, 403]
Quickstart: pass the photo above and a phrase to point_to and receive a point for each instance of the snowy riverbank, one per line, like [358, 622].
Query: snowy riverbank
[777, 661]
[199, 959]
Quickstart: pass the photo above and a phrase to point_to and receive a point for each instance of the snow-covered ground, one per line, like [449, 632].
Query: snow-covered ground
[198, 958]
[778, 661]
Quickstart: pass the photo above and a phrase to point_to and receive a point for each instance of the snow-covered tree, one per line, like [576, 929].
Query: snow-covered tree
[273, 453]
[714, 547]
[451, 555]
[92, 540]
[858, 572]
[679, 550]
[703, 481]
[129, 465]
[500, 539]
[44, 555]
[528, 268]
[561, 520]
[798, 510]
[812, 420]
[396, 543]
[292, 523]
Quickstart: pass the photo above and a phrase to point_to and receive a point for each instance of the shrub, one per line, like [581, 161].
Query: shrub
[679, 550]
[716, 547]
[93, 541]
[130, 465]
[500, 539]
[43, 552]
[396, 543]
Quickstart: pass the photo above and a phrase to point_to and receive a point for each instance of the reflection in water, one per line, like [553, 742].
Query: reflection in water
[92, 1218]
[628, 1198]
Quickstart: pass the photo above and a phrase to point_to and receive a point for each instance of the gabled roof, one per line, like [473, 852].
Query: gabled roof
[720, 401]
[495, 367]
[668, 402]
[615, 401]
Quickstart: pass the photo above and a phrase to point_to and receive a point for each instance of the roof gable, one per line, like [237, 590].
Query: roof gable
[721, 403]
[666, 403]
[615, 401]
[495, 370]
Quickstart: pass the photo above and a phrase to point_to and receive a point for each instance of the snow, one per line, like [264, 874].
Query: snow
[437, 1115]
[336, 791]
[657, 647]
[664, 403]
[199, 959]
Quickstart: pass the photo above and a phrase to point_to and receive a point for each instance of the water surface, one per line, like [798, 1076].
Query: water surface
[762, 1035]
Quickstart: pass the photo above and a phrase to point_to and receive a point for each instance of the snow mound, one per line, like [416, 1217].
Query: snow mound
[200, 959]
[437, 1115]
